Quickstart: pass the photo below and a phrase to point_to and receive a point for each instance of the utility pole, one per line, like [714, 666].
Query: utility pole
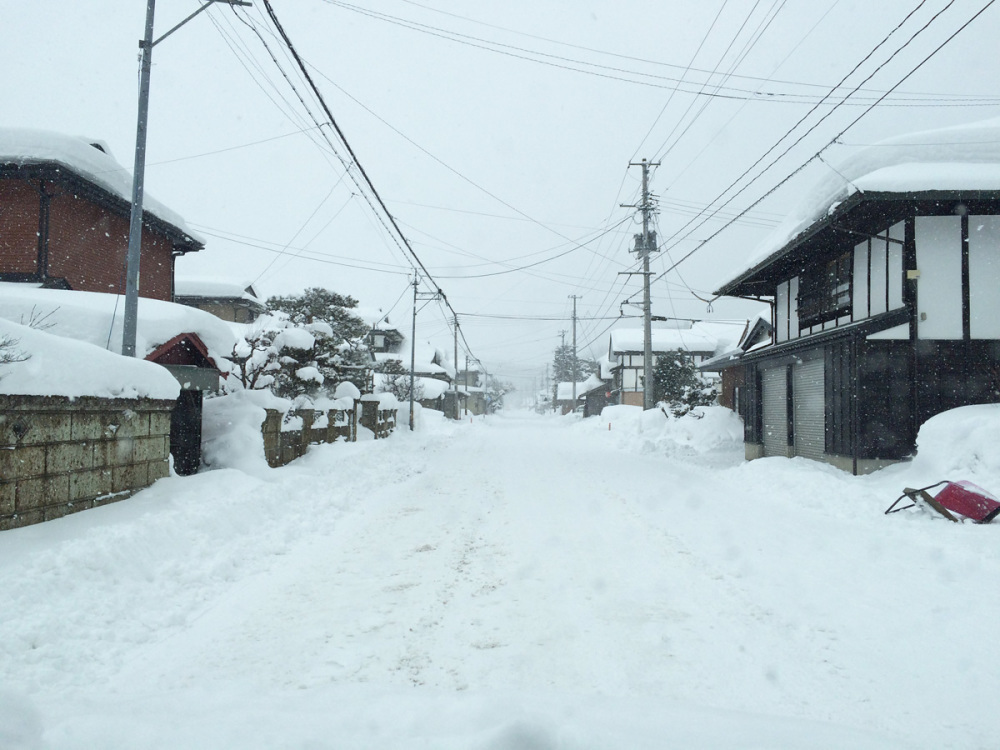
[413, 338]
[146, 44]
[645, 244]
[413, 348]
[576, 367]
[458, 411]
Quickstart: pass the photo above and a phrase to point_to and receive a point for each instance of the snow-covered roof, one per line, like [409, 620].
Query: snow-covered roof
[97, 318]
[23, 146]
[960, 158]
[663, 340]
[425, 354]
[214, 288]
[592, 383]
[428, 388]
[607, 367]
[376, 316]
[58, 366]
[564, 391]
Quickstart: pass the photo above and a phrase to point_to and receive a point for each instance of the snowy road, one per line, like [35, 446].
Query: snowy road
[521, 582]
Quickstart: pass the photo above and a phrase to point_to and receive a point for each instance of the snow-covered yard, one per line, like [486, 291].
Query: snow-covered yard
[514, 583]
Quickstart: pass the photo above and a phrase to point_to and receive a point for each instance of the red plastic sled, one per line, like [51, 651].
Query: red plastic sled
[963, 498]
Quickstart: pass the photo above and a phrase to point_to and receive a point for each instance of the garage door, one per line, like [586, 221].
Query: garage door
[774, 384]
[809, 412]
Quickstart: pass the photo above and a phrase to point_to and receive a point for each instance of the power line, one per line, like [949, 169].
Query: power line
[755, 37]
[836, 138]
[523, 54]
[676, 175]
[361, 169]
[822, 119]
[660, 63]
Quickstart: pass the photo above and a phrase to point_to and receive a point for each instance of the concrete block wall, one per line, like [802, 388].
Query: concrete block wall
[284, 446]
[58, 456]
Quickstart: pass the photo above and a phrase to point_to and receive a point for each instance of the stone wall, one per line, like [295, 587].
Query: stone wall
[380, 421]
[284, 446]
[58, 456]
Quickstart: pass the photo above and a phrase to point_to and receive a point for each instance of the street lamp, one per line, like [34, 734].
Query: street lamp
[139, 170]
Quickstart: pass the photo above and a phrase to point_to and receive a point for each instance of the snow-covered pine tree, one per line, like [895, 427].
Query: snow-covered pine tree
[678, 385]
[340, 351]
[562, 367]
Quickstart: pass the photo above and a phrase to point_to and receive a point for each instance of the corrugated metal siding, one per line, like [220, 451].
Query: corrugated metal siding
[809, 412]
[775, 390]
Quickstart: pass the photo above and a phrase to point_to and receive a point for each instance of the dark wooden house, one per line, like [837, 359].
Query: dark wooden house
[886, 312]
[64, 218]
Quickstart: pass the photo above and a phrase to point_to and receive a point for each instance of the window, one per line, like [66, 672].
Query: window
[825, 292]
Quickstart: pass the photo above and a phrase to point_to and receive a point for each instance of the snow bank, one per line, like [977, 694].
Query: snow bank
[20, 724]
[961, 444]
[62, 367]
[704, 430]
[231, 437]
[98, 319]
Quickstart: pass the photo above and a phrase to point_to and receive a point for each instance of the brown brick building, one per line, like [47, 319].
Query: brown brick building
[64, 218]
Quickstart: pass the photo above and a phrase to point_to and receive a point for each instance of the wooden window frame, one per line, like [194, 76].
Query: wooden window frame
[826, 291]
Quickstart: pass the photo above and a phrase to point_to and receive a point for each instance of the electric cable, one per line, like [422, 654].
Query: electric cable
[836, 138]
[815, 125]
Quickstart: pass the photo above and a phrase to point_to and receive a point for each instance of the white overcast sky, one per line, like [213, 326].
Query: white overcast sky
[490, 144]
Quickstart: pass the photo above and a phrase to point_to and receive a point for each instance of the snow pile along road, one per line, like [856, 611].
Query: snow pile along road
[520, 582]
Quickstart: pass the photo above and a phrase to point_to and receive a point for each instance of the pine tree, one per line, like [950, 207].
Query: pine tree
[678, 385]
[340, 350]
[316, 304]
[562, 366]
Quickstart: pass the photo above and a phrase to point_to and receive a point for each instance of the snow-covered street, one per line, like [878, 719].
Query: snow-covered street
[518, 582]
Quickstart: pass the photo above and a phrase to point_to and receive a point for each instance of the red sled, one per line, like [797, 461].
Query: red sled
[962, 497]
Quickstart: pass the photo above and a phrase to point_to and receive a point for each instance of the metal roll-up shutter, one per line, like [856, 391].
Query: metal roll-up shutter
[808, 411]
[774, 384]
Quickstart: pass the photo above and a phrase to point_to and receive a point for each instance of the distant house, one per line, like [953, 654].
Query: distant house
[433, 376]
[596, 394]
[886, 309]
[236, 303]
[64, 220]
[385, 340]
[564, 402]
[728, 363]
[626, 352]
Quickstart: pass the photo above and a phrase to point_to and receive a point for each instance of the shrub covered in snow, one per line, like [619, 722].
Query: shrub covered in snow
[678, 386]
